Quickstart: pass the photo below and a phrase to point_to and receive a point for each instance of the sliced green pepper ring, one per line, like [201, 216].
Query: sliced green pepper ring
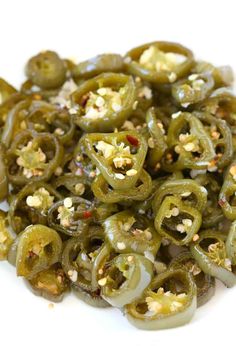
[125, 278]
[4, 189]
[91, 298]
[33, 157]
[31, 204]
[169, 301]
[220, 133]
[177, 221]
[7, 236]
[191, 193]
[97, 65]
[71, 216]
[119, 158]
[159, 62]
[231, 243]
[51, 284]
[38, 248]
[190, 146]
[210, 254]
[78, 258]
[129, 232]
[156, 142]
[106, 194]
[7, 106]
[193, 89]
[205, 283]
[103, 103]
[71, 184]
[46, 70]
[227, 197]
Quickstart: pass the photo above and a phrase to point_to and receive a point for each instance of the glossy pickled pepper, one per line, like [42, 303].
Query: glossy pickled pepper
[120, 176]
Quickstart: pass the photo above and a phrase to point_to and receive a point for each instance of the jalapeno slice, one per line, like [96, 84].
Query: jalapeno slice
[129, 232]
[38, 248]
[125, 279]
[33, 156]
[119, 158]
[169, 301]
[103, 103]
[159, 62]
[210, 253]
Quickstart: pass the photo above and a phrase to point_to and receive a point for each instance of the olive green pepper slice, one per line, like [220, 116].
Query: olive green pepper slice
[6, 90]
[209, 252]
[189, 144]
[139, 192]
[51, 284]
[129, 232]
[221, 136]
[205, 283]
[227, 193]
[6, 236]
[125, 279]
[193, 89]
[3, 175]
[159, 62]
[169, 301]
[33, 156]
[71, 215]
[98, 64]
[191, 193]
[231, 243]
[103, 103]
[118, 156]
[177, 221]
[156, 142]
[47, 70]
[91, 298]
[38, 248]
[31, 205]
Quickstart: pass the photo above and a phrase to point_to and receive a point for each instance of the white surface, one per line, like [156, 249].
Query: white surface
[82, 29]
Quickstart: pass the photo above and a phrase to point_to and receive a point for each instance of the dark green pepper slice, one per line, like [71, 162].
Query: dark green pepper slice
[46, 70]
[209, 252]
[38, 248]
[169, 301]
[159, 62]
[99, 64]
[103, 103]
[118, 156]
[129, 232]
[125, 279]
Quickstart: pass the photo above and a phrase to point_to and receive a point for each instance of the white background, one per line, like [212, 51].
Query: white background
[81, 29]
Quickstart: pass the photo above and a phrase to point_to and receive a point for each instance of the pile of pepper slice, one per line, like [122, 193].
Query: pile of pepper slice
[120, 176]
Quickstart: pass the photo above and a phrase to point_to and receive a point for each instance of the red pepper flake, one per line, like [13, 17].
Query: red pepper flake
[84, 100]
[222, 202]
[132, 140]
[87, 214]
